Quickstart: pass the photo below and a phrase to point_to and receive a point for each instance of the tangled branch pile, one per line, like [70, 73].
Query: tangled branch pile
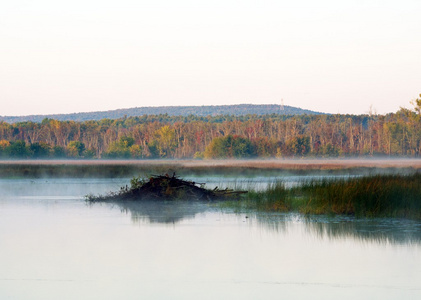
[165, 187]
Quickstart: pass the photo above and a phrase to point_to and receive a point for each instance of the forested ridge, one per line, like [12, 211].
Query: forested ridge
[222, 136]
[202, 111]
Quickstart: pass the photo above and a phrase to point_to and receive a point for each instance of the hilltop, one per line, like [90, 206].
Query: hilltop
[208, 110]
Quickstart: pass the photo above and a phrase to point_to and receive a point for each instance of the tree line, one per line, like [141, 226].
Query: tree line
[223, 136]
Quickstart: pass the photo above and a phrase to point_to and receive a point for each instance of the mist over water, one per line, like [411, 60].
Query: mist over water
[197, 168]
[56, 246]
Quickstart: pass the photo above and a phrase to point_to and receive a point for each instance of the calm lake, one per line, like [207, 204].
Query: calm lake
[55, 246]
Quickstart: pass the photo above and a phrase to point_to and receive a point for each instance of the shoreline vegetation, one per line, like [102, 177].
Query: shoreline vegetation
[240, 168]
[397, 196]
[218, 136]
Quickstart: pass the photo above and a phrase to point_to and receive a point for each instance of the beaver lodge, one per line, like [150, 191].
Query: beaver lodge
[165, 187]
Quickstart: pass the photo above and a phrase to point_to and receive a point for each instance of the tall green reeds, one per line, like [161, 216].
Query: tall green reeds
[371, 196]
[274, 198]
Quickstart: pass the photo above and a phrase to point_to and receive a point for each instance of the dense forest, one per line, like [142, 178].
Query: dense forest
[222, 136]
[202, 111]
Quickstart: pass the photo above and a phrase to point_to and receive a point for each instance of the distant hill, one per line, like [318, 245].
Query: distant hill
[209, 110]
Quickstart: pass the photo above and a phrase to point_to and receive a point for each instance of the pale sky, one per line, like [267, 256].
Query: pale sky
[327, 55]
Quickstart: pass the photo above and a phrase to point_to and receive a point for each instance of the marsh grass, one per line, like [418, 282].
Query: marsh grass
[275, 197]
[369, 196]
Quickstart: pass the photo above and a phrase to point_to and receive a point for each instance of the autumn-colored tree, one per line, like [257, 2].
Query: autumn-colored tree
[4, 146]
[264, 147]
[165, 136]
[417, 105]
[166, 143]
[298, 146]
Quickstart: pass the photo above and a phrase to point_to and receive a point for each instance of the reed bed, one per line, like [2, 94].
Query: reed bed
[368, 196]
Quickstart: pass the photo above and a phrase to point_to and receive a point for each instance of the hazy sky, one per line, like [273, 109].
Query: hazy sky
[325, 55]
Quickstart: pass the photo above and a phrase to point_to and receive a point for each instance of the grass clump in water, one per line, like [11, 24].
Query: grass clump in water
[276, 197]
[370, 196]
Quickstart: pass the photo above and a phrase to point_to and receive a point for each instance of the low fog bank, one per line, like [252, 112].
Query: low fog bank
[58, 188]
[238, 168]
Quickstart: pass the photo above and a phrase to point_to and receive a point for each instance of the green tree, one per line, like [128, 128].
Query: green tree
[240, 147]
[40, 150]
[75, 149]
[229, 147]
[89, 153]
[120, 149]
[18, 149]
[58, 152]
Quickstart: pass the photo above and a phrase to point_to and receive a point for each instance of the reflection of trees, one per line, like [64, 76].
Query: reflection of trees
[376, 230]
[161, 211]
[393, 231]
[379, 230]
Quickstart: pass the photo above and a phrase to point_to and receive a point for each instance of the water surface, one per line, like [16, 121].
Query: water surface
[55, 246]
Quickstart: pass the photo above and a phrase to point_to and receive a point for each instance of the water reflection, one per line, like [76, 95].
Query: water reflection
[160, 212]
[378, 230]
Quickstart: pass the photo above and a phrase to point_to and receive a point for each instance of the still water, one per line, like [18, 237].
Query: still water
[55, 246]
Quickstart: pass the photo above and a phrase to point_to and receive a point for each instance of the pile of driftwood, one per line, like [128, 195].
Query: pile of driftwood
[165, 187]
